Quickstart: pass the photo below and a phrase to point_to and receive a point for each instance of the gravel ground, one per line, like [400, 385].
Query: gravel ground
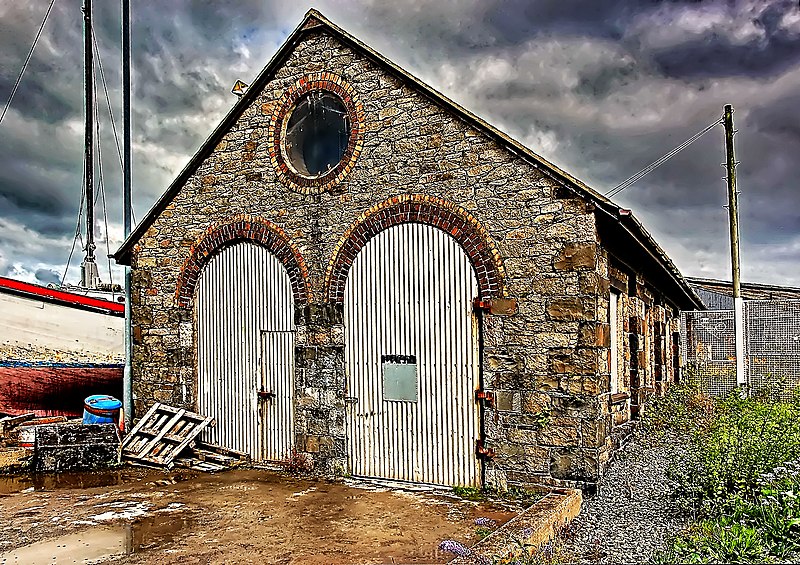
[39, 353]
[631, 516]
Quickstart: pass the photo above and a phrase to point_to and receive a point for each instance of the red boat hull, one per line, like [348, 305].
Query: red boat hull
[53, 390]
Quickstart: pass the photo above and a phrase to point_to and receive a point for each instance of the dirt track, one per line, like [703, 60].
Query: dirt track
[135, 516]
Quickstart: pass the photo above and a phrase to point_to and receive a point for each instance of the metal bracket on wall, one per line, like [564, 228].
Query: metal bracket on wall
[483, 452]
[497, 306]
[484, 397]
[264, 395]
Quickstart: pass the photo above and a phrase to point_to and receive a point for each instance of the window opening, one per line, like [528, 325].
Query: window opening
[613, 305]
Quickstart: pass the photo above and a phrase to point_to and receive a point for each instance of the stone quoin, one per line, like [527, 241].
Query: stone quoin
[576, 311]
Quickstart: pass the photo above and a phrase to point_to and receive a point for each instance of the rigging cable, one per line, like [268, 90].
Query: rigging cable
[108, 105]
[77, 227]
[655, 164]
[100, 181]
[27, 60]
[108, 100]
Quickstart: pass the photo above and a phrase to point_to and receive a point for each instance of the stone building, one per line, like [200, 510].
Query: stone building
[355, 267]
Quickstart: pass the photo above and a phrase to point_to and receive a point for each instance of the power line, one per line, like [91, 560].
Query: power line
[655, 164]
[27, 60]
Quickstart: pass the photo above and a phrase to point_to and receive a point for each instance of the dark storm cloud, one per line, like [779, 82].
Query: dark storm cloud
[771, 50]
[599, 88]
[47, 276]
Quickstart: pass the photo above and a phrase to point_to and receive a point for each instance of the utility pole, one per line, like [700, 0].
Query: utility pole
[733, 215]
[89, 274]
[127, 383]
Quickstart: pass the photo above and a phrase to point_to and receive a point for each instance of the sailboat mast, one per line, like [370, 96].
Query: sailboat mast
[89, 274]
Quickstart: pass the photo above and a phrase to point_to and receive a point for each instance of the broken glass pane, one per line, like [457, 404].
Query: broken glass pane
[317, 133]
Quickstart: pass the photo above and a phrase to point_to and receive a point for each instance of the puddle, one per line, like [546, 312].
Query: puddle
[10, 484]
[94, 545]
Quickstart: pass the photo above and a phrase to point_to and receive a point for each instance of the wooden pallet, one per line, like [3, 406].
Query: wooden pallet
[162, 434]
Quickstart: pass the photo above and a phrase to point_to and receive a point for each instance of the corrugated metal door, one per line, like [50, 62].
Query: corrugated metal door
[412, 359]
[245, 346]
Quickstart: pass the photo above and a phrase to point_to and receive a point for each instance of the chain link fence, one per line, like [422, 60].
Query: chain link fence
[772, 348]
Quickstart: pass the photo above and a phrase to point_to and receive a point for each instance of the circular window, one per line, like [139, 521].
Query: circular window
[317, 133]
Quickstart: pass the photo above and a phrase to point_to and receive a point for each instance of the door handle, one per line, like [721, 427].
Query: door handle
[264, 395]
[351, 399]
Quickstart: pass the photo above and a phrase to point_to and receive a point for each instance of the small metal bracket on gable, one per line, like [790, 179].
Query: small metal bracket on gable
[483, 452]
[485, 397]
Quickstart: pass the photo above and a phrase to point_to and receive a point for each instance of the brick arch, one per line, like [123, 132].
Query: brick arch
[473, 238]
[243, 227]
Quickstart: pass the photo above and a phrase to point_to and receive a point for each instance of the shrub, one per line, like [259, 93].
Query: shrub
[728, 453]
[681, 410]
[297, 462]
[747, 530]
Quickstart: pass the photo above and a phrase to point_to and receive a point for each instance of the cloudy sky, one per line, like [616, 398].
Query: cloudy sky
[601, 88]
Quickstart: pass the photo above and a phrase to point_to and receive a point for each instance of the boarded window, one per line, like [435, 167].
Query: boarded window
[400, 377]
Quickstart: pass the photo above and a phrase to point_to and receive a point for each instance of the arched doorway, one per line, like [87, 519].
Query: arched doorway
[412, 358]
[244, 313]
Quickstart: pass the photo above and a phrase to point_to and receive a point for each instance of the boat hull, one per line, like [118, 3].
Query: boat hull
[56, 389]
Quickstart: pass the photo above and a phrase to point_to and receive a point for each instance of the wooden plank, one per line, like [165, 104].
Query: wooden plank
[200, 465]
[221, 450]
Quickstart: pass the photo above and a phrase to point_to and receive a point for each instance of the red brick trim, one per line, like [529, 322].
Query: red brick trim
[280, 117]
[419, 208]
[243, 227]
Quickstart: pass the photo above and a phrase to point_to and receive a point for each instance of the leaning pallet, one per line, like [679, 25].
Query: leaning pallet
[162, 434]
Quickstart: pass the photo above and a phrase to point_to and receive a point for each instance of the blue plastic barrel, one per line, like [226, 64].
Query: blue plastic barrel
[101, 409]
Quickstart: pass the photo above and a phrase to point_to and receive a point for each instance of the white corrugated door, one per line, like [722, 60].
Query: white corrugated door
[412, 359]
[245, 346]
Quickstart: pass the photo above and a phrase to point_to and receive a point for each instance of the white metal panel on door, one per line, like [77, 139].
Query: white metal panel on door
[245, 346]
[408, 301]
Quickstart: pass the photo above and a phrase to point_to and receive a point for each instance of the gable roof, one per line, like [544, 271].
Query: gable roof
[627, 226]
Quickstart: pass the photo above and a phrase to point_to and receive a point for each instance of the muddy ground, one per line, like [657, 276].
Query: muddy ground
[243, 516]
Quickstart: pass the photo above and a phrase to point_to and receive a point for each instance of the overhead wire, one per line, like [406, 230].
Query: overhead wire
[27, 60]
[658, 162]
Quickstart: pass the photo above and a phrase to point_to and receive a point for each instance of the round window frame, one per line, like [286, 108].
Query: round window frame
[287, 173]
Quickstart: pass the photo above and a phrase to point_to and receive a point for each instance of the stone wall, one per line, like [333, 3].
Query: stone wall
[649, 356]
[528, 238]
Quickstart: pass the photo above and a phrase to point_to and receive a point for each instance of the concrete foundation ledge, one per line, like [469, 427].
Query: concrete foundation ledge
[527, 531]
[15, 459]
